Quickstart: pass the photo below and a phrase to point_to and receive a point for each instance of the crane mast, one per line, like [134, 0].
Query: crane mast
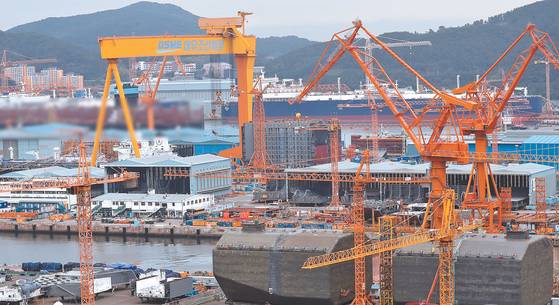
[81, 186]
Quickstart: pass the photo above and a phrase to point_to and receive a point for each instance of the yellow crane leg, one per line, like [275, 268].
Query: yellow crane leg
[125, 108]
[245, 79]
[112, 70]
[101, 116]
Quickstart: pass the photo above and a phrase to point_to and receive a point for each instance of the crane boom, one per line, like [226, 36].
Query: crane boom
[403, 44]
[414, 123]
[482, 193]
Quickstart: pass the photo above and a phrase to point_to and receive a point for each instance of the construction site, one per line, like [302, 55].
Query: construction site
[309, 191]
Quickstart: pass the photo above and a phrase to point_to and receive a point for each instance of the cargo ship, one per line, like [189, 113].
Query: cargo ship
[350, 105]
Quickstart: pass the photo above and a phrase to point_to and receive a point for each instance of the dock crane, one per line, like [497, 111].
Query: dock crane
[223, 36]
[81, 186]
[437, 148]
[482, 194]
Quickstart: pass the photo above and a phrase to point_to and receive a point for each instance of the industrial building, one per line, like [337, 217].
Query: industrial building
[291, 143]
[192, 146]
[489, 269]
[37, 141]
[149, 205]
[207, 174]
[520, 177]
[191, 89]
[46, 201]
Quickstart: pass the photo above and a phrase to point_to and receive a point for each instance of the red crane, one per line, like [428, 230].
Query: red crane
[482, 194]
[438, 148]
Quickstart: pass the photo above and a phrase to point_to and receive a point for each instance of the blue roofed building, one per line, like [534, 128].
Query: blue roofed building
[205, 174]
[544, 147]
[199, 145]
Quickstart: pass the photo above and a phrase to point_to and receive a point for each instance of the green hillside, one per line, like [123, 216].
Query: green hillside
[467, 50]
[142, 18]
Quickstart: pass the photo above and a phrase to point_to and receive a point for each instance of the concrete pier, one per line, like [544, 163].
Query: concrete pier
[103, 229]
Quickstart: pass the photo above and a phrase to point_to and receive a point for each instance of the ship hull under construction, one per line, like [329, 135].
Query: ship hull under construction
[265, 267]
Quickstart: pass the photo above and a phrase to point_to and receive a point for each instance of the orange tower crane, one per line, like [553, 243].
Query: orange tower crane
[81, 186]
[223, 36]
[438, 148]
[334, 136]
[481, 193]
[260, 159]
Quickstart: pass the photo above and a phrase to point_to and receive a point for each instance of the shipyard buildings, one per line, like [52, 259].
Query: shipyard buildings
[291, 143]
[203, 174]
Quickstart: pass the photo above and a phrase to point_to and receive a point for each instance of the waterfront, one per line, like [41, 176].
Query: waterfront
[176, 254]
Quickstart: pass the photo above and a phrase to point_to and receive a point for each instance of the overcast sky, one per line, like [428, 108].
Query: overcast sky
[314, 19]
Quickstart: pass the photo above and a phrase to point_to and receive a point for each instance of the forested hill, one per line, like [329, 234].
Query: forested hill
[73, 40]
[466, 50]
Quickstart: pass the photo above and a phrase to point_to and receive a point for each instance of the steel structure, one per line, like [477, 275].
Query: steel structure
[482, 194]
[438, 148]
[386, 232]
[541, 206]
[260, 159]
[334, 137]
[445, 235]
[223, 36]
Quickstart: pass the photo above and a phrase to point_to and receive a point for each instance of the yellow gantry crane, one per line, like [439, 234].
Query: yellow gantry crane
[223, 36]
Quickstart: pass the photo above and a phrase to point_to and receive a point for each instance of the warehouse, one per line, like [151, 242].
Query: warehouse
[149, 205]
[520, 177]
[206, 174]
[37, 141]
[47, 200]
[543, 145]
[203, 144]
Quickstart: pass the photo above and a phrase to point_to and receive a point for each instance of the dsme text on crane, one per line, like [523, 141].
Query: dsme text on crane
[190, 45]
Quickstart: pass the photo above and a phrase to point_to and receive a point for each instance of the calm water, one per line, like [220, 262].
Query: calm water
[177, 254]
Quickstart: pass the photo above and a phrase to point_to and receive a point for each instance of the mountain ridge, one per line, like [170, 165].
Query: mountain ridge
[467, 50]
